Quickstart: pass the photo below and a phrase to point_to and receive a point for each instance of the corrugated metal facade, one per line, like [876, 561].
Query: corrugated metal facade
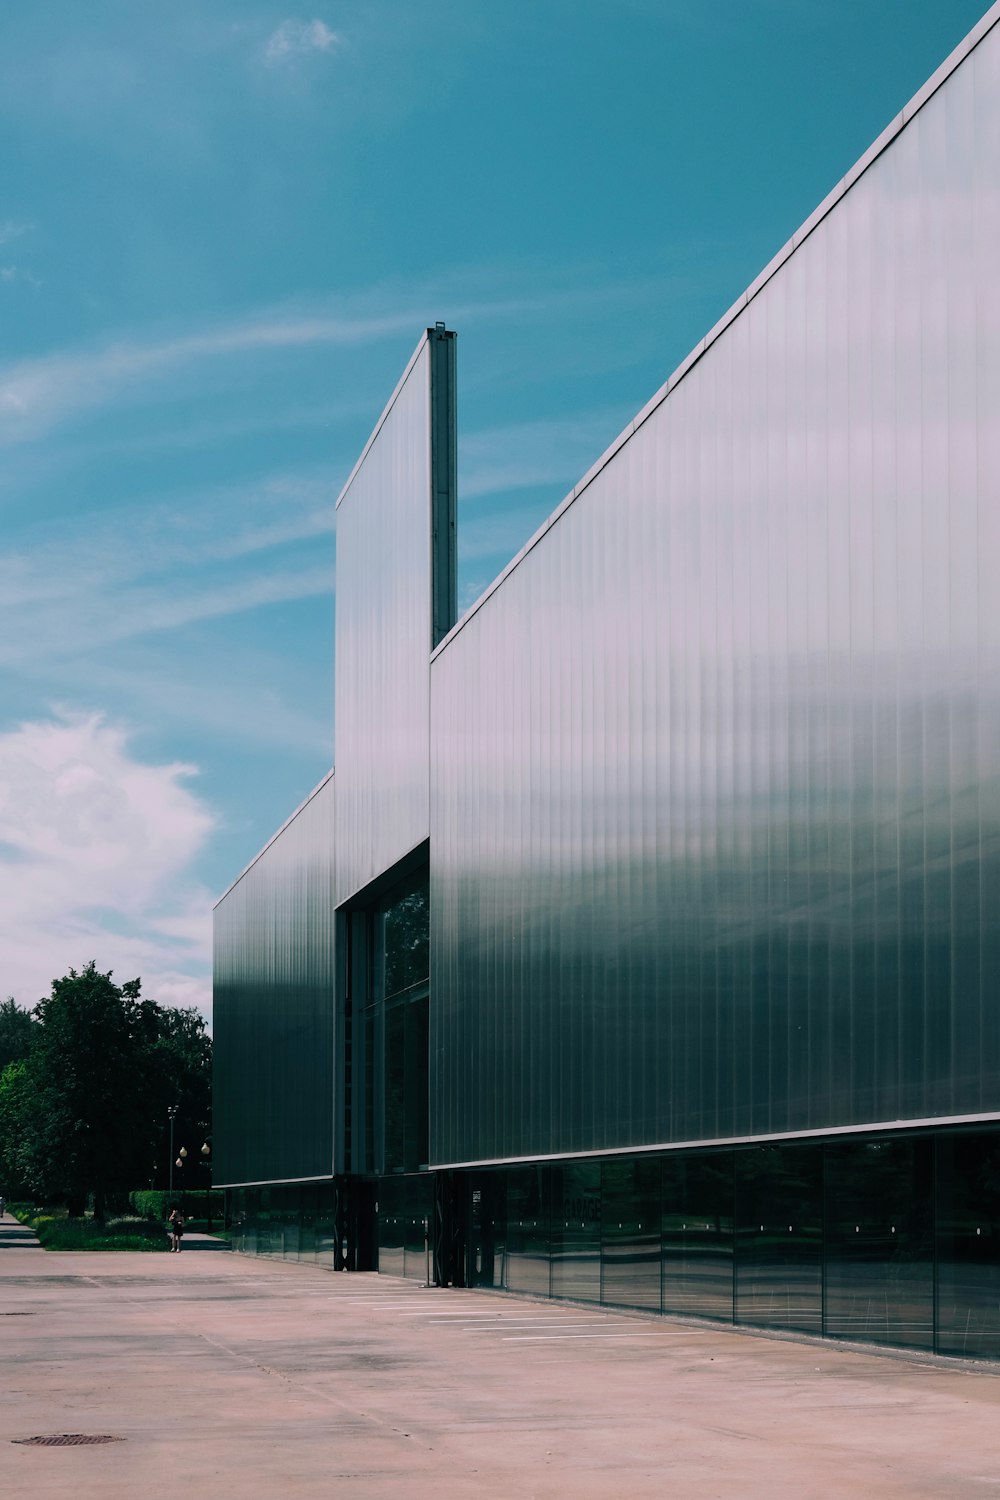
[274, 1007]
[715, 806]
[709, 785]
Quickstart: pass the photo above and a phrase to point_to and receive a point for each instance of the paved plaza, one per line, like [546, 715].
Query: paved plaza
[224, 1375]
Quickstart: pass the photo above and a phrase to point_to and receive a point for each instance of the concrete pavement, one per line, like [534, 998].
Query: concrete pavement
[227, 1375]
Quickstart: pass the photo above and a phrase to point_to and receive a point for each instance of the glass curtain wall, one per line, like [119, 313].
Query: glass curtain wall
[968, 1245]
[528, 1213]
[880, 1241]
[290, 1221]
[405, 1209]
[698, 1234]
[631, 1233]
[385, 1013]
[890, 1240]
[402, 979]
[779, 1237]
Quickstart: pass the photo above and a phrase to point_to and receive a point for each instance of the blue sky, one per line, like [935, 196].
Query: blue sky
[223, 225]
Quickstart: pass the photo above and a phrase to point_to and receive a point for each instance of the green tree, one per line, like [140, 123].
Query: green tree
[181, 1071]
[17, 1028]
[85, 1111]
[89, 1077]
[14, 1109]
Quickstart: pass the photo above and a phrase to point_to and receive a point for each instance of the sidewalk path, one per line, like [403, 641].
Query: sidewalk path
[230, 1376]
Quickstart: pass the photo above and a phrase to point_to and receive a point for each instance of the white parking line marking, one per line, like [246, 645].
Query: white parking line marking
[523, 1338]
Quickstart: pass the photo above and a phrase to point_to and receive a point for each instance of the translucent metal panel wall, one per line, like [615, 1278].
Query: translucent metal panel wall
[385, 519]
[715, 836]
[274, 985]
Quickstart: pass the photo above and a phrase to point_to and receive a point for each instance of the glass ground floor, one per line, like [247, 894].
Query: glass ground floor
[890, 1239]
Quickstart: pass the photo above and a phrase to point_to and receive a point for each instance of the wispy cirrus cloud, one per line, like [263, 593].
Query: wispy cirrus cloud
[12, 273]
[165, 565]
[294, 39]
[37, 394]
[12, 229]
[34, 394]
[96, 862]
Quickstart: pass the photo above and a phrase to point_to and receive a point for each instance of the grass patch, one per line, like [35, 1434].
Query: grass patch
[56, 1231]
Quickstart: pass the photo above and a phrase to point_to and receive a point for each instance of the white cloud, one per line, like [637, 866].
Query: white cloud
[18, 273]
[96, 850]
[36, 393]
[10, 229]
[298, 39]
[206, 555]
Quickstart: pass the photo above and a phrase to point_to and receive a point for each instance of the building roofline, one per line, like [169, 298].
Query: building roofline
[276, 835]
[387, 409]
[940, 76]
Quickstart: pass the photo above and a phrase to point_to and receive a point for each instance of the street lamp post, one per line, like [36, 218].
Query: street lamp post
[171, 1116]
[206, 1161]
[181, 1159]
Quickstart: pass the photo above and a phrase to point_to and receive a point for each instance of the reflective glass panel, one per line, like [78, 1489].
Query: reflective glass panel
[326, 1226]
[968, 1244]
[405, 935]
[576, 1232]
[308, 1201]
[698, 1234]
[879, 1241]
[630, 1233]
[779, 1237]
[528, 1230]
[392, 1225]
[487, 1229]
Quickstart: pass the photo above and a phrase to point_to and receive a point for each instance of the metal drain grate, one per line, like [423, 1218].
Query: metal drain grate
[66, 1440]
[17, 1315]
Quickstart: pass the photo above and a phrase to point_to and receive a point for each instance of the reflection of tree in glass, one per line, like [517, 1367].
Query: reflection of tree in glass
[406, 940]
[404, 930]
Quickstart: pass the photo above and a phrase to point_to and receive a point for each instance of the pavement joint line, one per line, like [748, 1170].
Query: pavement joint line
[358, 1412]
[494, 1323]
[540, 1338]
[533, 1325]
[249, 1361]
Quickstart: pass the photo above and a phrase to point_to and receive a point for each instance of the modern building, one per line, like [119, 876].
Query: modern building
[645, 944]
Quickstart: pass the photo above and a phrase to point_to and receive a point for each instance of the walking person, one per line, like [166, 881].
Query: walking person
[176, 1222]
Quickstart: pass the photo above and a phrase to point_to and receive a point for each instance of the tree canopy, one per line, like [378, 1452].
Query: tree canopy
[17, 1028]
[83, 1107]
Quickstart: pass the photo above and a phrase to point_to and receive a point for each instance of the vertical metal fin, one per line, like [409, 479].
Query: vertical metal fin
[444, 483]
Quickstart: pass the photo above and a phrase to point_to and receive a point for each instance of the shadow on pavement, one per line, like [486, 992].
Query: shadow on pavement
[16, 1237]
[204, 1242]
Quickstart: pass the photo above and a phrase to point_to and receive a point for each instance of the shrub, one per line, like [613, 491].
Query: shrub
[56, 1231]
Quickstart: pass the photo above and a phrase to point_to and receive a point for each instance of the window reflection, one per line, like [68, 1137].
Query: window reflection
[779, 1237]
[732, 1235]
[880, 1257]
[400, 989]
[698, 1234]
[968, 1244]
[528, 1230]
[576, 1231]
[630, 1235]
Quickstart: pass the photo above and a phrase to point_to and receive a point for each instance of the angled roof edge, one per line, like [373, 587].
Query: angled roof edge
[276, 835]
[940, 76]
[388, 408]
